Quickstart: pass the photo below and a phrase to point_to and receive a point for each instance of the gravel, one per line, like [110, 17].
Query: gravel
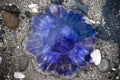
[23, 62]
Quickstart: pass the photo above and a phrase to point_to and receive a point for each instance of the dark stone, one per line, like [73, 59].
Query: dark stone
[102, 32]
[57, 1]
[22, 17]
[27, 13]
[17, 14]
[14, 9]
[1, 39]
[1, 21]
[4, 49]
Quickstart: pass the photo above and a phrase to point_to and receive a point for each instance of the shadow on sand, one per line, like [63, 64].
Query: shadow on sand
[111, 30]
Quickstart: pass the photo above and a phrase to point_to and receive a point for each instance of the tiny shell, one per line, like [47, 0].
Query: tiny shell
[10, 20]
[33, 8]
[96, 57]
[19, 75]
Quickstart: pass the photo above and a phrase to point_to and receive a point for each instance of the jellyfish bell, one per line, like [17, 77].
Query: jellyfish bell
[60, 40]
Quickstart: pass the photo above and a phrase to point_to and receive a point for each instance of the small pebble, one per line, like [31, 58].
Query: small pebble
[104, 65]
[80, 6]
[96, 57]
[1, 21]
[13, 8]
[57, 1]
[2, 31]
[27, 13]
[19, 75]
[0, 59]
[114, 69]
[117, 77]
[10, 20]
[22, 17]
[83, 8]
[74, 4]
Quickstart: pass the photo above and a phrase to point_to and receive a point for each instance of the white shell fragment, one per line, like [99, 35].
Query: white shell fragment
[96, 57]
[0, 59]
[89, 21]
[33, 8]
[114, 69]
[19, 75]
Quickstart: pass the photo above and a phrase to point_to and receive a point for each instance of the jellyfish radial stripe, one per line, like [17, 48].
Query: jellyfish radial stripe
[60, 40]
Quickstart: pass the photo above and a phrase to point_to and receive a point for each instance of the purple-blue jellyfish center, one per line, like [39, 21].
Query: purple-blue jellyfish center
[65, 45]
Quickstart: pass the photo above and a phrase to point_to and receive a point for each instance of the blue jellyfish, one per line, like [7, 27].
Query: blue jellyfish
[60, 40]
